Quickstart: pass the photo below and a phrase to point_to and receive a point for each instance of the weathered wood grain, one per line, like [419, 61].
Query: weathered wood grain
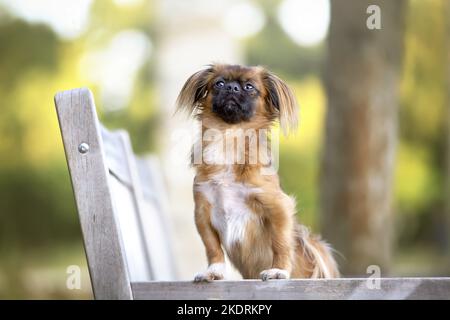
[120, 202]
[301, 289]
[143, 256]
[89, 174]
[155, 221]
[116, 158]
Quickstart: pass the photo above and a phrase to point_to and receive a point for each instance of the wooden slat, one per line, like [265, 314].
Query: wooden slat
[154, 217]
[150, 189]
[108, 179]
[143, 258]
[307, 289]
[89, 174]
[126, 213]
[116, 159]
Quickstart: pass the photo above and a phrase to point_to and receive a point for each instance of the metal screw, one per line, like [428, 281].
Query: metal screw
[83, 148]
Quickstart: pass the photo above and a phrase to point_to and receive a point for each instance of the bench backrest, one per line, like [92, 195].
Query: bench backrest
[120, 200]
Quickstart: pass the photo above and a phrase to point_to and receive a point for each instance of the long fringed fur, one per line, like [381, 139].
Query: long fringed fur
[240, 209]
[316, 253]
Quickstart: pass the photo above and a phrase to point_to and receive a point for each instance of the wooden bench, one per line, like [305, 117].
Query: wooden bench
[122, 210]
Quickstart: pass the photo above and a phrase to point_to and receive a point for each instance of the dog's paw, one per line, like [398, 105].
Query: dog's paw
[215, 271]
[274, 274]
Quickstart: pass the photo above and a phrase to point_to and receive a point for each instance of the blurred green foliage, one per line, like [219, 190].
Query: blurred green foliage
[420, 173]
[38, 221]
[39, 227]
[292, 60]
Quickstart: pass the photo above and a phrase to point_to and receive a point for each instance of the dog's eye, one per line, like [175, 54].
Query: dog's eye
[249, 87]
[219, 84]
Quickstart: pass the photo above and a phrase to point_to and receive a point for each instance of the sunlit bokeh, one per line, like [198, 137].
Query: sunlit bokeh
[68, 18]
[243, 19]
[114, 68]
[306, 22]
[128, 2]
[135, 55]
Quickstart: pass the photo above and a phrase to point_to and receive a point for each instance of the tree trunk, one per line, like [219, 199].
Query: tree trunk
[361, 133]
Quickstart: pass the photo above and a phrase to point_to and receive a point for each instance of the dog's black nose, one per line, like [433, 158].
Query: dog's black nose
[233, 86]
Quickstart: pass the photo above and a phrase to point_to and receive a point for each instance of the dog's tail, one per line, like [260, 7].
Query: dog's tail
[316, 255]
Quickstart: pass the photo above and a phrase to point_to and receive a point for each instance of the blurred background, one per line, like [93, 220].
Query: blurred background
[369, 165]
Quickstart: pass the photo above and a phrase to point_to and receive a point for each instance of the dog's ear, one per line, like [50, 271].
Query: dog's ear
[193, 91]
[281, 100]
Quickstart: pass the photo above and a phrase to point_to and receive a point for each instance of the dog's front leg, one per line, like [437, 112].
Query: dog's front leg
[279, 213]
[211, 240]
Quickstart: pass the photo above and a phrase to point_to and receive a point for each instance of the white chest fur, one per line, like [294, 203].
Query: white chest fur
[230, 214]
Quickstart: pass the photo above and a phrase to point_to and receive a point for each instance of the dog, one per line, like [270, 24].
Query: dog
[240, 207]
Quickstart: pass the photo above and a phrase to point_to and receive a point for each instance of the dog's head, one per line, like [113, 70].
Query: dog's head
[237, 95]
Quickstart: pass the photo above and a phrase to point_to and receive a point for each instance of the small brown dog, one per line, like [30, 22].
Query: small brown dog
[239, 206]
